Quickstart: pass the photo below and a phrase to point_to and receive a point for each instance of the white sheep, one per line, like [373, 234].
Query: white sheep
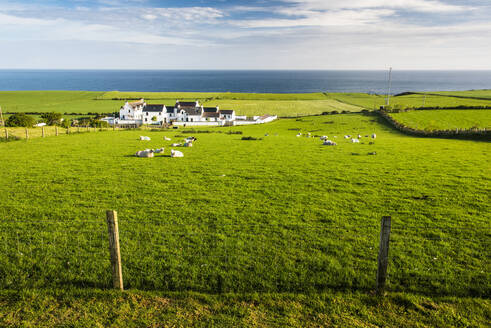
[176, 145]
[144, 153]
[347, 136]
[144, 138]
[354, 140]
[176, 153]
[299, 134]
[359, 136]
[158, 151]
[324, 137]
[166, 139]
[374, 136]
[329, 143]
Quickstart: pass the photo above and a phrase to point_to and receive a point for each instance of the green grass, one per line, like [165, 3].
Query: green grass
[284, 217]
[445, 119]
[96, 308]
[414, 100]
[485, 94]
[244, 103]
[284, 107]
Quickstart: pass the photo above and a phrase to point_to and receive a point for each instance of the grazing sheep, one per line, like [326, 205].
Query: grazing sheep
[299, 134]
[347, 136]
[329, 143]
[324, 137]
[266, 134]
[144, 153]
[166, 139]
[374, 136]
[354, 140]
[188, 144]
[158, 151]
[359, 136]
[176, 153]
[144, 138]
[176, 145]
[191, 139]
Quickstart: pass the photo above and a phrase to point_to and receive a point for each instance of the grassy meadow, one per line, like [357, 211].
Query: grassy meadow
[285, 105]
[445, 119]
[283, 218]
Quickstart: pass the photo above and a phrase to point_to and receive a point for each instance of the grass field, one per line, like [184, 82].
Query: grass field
[243, 103]
[445, 119]
[413, 100]
[281, 216]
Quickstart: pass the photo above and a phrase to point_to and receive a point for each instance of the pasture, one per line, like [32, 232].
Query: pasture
[282, 216]
[286, 105]
[445, 119]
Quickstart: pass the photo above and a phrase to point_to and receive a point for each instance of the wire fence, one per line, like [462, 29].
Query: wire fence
[244, 257]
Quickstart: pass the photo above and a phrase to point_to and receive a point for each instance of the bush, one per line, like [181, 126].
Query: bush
[51, 118]
[333, 112]
[250, 138]
[20, 119]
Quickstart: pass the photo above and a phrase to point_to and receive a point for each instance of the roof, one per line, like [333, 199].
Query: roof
[211, 114]
[210, 109]
[170, 109]
[186, 103]
[226, 111]
[137, 103]
[153, 108]
[192, 110]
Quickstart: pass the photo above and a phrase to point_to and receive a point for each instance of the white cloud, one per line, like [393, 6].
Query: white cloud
[434, 6]
[328, 18]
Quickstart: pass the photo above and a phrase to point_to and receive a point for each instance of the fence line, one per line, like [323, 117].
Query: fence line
[254, 257]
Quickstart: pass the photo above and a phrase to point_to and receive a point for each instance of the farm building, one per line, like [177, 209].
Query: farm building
[182, 113]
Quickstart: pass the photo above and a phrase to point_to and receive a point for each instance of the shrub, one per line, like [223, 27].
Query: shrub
[20, 119]
[51, 118]
[250, 138]
[333, 112]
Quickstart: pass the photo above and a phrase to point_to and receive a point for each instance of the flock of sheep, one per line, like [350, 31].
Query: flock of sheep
[327, 142]
[188, 142]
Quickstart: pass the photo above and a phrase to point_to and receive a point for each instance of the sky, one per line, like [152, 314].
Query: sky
[238, 34]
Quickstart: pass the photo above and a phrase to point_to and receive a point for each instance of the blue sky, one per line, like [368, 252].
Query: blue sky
[254, 34]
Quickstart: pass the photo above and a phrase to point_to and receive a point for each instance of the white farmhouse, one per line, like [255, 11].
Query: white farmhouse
[182, 113]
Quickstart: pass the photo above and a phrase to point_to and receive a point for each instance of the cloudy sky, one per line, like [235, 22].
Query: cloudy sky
[240, 34]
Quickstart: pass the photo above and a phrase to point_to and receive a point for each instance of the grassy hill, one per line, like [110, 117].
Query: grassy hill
[276, 231]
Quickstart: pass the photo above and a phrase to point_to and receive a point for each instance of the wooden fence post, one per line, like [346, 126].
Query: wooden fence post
[6, 134]
[113, 230]
[27, 134]
[42, 131]
[383, 254]
[68, 130]
[56, 130]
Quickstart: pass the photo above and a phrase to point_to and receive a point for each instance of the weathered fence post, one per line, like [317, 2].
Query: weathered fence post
[56, 130]
[27, 134]
[383, 254]
[42, 131]
[113, 230]
[6, 134]
[68, 130]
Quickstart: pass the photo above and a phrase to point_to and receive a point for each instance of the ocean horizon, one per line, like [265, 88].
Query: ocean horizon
[249, 81]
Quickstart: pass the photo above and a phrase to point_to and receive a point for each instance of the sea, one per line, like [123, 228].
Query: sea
[250, 81]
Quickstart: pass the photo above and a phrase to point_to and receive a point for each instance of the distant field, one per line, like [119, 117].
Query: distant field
[414, 100]
[243, 103]
[445, 119]
[283, 107]
[471, 93]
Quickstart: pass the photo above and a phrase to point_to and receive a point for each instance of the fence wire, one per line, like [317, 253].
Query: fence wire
[244, 258]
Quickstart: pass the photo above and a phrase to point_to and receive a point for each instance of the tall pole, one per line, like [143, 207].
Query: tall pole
[388, 90]
[2, 122]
